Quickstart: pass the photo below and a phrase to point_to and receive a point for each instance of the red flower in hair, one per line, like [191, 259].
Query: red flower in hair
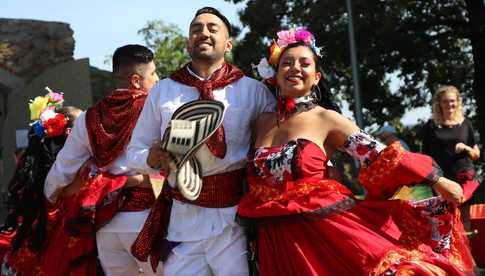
[55, 126]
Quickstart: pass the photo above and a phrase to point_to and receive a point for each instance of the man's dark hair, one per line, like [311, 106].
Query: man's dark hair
[217, 13]
[130, 55]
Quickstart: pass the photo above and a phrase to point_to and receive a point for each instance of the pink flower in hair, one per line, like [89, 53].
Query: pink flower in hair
[56, 97]
[295, 35]
[286, 37]
[304, 36]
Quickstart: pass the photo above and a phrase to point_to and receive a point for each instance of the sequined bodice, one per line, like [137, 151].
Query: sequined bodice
[295, 160]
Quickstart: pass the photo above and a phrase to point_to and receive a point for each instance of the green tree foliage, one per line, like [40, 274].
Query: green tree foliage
[168, 45]
[421, 43]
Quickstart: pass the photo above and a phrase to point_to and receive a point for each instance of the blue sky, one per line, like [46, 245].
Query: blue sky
[103, 25]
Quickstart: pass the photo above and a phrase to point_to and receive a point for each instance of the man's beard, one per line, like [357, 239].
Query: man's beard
[203, 55]
[207, 54]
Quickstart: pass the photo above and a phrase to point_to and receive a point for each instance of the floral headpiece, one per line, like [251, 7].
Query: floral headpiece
[48, 122]
[266, 67]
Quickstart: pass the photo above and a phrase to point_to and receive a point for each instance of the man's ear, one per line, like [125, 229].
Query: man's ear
[135, 81]
[228, 46]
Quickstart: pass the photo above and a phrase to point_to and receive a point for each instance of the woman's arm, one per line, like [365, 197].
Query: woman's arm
[262, 129]
[339, 128]
[473, 152]
[386, 168]
[470, 146]
[449, 190]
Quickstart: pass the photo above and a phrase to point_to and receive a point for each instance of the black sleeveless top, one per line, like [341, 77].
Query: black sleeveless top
[439, 142]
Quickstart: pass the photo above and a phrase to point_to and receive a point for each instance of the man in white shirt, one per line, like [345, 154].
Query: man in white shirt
[101, 135]
[200, 237]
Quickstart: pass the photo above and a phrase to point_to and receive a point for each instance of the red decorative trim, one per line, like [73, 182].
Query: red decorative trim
[376, 177]
[137, 199]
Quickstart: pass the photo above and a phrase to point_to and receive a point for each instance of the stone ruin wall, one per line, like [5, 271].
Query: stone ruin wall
[28, 47]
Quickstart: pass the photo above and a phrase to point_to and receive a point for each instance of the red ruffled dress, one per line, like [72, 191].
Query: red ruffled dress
[308, 224]
[63, 254]
[70, 248]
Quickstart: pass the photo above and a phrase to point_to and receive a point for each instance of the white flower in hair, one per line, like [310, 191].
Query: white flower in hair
[47, 114]
[318, 51]
[264, 69]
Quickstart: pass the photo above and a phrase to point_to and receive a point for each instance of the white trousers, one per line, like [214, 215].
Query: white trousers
[224, 254]
[115, 255]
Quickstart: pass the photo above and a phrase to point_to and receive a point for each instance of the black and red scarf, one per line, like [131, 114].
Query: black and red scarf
[110, 123]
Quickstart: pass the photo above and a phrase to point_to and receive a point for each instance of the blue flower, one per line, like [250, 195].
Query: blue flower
[38, 129]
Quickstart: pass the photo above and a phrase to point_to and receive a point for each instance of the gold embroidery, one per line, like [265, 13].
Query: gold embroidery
[405, 263]
[385, 165]
[265, 193]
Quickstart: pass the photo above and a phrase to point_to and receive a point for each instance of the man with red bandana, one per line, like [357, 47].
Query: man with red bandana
[111, 194]
[200, 237]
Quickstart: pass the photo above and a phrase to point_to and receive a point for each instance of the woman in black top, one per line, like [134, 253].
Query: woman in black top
[452, 146]
[449, 138]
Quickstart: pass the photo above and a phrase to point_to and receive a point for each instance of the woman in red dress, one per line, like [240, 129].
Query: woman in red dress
[34, 229]
[308, 224]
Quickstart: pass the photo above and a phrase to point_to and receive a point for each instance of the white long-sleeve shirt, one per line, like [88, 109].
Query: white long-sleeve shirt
[73, 155]
[244, 99]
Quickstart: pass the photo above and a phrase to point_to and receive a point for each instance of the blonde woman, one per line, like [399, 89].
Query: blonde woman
[449, 138]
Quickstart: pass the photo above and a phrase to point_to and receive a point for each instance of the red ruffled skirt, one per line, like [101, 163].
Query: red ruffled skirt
[309, 227]
[70, 248]
[364, 240]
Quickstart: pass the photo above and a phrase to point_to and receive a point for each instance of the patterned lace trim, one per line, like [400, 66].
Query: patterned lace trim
[363, 147]
[429, 222]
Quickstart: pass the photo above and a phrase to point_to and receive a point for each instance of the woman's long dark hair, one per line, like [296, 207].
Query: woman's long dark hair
[25, 198]
[321, 90]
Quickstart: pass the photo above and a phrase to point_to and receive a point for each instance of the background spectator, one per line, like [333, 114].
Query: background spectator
[449, 138]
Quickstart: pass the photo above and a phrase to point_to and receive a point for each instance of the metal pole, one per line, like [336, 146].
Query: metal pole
[355, 67]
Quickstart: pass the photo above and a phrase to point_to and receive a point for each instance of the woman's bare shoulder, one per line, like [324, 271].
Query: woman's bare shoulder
[336, 121]
[328, 115]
